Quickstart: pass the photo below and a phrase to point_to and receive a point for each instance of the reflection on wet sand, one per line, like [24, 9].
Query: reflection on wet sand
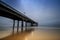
[44, 34]
[37, 34]
[18, 36]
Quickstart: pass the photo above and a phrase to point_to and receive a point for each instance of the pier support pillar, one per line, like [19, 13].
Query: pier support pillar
[37, 24]
[31, 24]
[25, 25]
[13, 26]
[22, 25]
[17, 26]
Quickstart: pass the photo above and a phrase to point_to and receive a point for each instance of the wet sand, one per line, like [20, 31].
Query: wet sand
[36, 34]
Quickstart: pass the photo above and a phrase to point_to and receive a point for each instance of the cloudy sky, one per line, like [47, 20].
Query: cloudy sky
[45, 12]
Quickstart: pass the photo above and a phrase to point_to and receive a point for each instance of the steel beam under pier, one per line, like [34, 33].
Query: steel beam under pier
[13, 26]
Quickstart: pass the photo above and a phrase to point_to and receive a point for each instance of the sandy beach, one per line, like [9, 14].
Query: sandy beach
[36, 34]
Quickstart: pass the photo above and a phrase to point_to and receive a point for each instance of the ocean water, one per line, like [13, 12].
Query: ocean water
[39, 33]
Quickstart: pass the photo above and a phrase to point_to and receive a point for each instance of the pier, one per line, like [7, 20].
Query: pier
[11, 13]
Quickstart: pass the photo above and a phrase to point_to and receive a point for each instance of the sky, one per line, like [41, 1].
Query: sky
[45, 12]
